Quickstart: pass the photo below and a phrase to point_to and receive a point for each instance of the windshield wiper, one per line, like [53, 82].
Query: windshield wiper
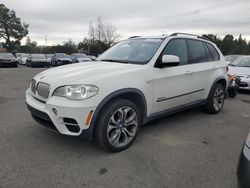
[115, 60]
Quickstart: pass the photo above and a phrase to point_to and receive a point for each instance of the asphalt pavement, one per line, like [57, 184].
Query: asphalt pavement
[191, 149]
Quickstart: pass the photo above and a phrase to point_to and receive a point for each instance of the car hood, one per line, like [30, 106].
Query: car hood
[67, 59]
[239, 71]
[39, 60]
[84, 73]
[83, 59]
[7, 59]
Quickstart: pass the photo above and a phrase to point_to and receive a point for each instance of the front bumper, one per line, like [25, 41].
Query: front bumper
[245, 83]
[243, 171]
[70, 118]
[8, 64]
[39, 63]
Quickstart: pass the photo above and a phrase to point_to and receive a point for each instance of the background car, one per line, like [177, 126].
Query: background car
[21, 58]
[37, 60]
[60, 59]
[8, 59]
[243, 171]
[92, 57]
[231, 58]
[241, 69]
[48, 56]
[78, 57]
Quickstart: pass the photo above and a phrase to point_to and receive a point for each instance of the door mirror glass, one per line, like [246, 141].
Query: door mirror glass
[170, 60]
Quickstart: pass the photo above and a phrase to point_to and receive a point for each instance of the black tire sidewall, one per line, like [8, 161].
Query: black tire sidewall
[102, 122]
[210, 103]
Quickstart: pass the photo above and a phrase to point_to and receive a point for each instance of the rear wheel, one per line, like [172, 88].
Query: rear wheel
[118, 125]
[215, 100]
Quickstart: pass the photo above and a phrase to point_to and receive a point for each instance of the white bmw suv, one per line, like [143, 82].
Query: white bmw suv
[135, 81]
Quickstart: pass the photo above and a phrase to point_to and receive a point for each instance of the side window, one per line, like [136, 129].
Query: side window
[213, 52]
[197, 51]
[178, 48]
[209, 55]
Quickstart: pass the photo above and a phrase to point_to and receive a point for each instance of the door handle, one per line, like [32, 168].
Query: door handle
[188, 73]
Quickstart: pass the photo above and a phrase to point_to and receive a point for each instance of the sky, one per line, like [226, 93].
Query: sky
[61, 20]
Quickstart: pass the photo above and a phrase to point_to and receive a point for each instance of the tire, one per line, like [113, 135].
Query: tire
[215, 99]
[232, 93]
[111, 131]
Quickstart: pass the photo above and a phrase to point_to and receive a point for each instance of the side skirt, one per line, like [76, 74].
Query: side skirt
[174, 110]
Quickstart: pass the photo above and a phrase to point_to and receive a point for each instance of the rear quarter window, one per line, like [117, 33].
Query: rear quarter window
[213, 51]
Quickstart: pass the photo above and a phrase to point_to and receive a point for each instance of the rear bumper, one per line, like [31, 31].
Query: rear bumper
[243, 171]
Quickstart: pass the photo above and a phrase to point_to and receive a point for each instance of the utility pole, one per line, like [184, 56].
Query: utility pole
[46, 44]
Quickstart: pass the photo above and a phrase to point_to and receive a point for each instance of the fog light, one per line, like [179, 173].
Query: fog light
[54, 111]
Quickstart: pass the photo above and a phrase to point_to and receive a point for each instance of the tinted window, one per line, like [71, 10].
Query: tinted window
[213, 51]
[209, 55]
[197, 51]
[178, 48]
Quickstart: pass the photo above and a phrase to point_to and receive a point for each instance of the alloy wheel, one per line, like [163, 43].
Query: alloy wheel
[122, 126]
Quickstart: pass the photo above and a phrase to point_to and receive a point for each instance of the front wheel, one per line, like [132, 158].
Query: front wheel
[118, 125]
[215, 99]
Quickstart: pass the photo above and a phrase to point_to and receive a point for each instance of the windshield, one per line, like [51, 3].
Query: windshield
[62, 55]
[6, 55]
[38, 56]
[241, 62]
[134, 51]
[231, 57]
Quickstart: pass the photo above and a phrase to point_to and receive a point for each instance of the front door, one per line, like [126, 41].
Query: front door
[172, 86]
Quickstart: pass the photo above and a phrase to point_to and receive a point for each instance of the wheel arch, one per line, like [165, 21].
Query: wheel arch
[133, 94]
[221, 80]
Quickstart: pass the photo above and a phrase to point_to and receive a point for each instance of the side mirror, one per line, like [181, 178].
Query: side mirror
[170, 60]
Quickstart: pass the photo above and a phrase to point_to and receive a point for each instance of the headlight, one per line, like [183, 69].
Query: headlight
[248, 140]
[76, 92]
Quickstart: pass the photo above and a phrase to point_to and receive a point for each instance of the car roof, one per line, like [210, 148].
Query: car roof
[174, 35]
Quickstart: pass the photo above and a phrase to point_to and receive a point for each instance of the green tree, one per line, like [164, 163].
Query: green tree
[227, 45]
[11, 28]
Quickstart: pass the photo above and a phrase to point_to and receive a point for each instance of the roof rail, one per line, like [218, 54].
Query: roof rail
[133, 37]
[175, 34]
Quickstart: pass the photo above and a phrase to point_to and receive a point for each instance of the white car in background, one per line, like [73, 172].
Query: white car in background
[22, 57]
[231, 58]
[132, 83]
[241, 69]
[48, 56]
[79, 57]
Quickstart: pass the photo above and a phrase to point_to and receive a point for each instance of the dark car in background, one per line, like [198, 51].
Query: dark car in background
[37, 60]
[243, 171]
[60, 59]
[8, 60]
[78, 57]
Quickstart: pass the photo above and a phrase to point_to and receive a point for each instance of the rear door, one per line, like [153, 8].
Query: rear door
[201, 67]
